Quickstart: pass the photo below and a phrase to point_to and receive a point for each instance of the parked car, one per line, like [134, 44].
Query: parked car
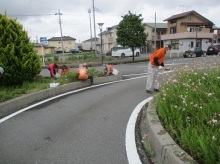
[124, 52]
[213, 50]
[193, 52]
[74, 51]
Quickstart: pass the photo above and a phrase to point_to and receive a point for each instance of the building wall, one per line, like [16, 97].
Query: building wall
[109, 40]
[187, 36]
[44, 51]
[67, 45]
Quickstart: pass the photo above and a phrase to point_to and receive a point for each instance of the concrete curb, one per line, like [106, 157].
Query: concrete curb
[166, 151]
[11, 106]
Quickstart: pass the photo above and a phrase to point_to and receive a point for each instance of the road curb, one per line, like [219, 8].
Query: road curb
[11, 106]
[166, 151]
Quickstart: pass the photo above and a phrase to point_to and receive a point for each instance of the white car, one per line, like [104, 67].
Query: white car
[124, 52]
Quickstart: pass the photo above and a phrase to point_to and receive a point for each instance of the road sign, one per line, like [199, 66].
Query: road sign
[43, 40]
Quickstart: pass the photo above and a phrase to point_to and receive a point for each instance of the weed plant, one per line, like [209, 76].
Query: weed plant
[189, 108]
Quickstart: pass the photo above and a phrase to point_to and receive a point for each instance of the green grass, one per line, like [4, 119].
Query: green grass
[40, 83]
[77, 58]
[189, 108]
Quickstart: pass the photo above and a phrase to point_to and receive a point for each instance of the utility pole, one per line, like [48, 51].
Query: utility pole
[155, 33]
[89, 11]
[93, 8]
[60, 30]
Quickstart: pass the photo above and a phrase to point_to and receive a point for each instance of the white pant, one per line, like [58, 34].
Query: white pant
[152, 77]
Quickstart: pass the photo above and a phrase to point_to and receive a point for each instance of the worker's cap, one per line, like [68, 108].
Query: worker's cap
[168, 46]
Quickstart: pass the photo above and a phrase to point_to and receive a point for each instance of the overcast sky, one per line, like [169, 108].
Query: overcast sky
[39, 19]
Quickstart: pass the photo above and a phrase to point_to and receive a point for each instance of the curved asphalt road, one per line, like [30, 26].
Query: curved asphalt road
[84, 127]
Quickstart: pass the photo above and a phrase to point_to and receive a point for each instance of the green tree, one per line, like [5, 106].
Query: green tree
[130, 31]
[17, 56]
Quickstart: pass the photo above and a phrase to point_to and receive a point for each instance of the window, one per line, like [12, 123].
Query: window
[173, 21]
[189, 17]
[192, 29]
[172, 30]
[175, 44]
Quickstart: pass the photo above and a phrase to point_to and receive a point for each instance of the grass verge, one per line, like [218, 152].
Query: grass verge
[40, 83]
[188, 107]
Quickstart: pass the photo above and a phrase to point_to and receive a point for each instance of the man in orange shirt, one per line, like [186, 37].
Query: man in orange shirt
[83, 73]
[156, 60]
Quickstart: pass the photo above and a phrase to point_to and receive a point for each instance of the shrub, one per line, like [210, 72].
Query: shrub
[18, 58]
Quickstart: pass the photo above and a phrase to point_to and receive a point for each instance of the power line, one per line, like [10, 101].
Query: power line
[30, 15]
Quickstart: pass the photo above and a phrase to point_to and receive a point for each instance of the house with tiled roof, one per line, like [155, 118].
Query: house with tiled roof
[67, 41]
[188, 29]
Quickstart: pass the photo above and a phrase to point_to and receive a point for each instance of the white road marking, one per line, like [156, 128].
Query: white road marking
[131, 148]
[58, 96]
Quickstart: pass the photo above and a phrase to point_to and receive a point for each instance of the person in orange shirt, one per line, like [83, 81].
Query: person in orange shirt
[64, 70]
[108, 70]
[156, 60]
[83, 73]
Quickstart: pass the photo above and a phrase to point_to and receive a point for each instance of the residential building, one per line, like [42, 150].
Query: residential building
[68, 43]
[89, 44]
[44, 49]
[108, 39]
[186, 30]
[161, 29]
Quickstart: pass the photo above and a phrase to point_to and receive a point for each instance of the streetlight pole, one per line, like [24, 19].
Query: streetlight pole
[93, 9]
[100, 27]
[89, 11]
[60, 30]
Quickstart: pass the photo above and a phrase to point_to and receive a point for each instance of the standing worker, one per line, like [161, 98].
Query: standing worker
[83, 73]
[53, 68]
[156, 60]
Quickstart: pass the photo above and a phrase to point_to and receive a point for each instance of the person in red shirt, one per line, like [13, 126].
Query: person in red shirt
[156, 60]
[53, 68]
[83, 73]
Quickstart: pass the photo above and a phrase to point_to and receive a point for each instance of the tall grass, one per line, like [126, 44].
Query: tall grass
[189, 109]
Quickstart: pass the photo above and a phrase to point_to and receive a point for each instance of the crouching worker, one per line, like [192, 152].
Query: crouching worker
[83, 73]
[109, 70]
[64, 70]
[53, 68]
